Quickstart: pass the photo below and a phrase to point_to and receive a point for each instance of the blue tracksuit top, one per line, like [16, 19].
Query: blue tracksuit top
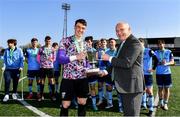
[15, 61]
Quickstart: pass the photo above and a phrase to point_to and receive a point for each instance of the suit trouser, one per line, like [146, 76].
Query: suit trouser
[131, 103]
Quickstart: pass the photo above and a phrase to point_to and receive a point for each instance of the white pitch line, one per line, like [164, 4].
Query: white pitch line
[35, 110]
[30, 107]
[22, 78]
[155, 104]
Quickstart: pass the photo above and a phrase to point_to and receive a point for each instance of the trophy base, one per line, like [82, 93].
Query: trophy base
[91, 72]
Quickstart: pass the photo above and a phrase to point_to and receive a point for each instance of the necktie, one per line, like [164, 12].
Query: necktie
[112, 74]
[120, 48]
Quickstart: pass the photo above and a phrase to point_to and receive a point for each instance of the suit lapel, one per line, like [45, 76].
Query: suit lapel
[126, 43]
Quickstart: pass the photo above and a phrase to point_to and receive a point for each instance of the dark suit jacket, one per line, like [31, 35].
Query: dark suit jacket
[128, 67]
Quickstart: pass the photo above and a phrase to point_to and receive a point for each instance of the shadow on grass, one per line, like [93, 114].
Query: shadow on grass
[47, 103]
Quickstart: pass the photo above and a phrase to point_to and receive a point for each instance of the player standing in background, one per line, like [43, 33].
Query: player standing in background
[56, 68]
[102, 66]
[46, 57]
[92, 79]
[150, 63]
[33, 67]
[163, 73]
[13, 61]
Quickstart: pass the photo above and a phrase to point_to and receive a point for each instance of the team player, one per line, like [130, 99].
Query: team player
[56, 68]
[74, 83]
[46, 57]
[33, 67]
[150, 62]
[163, 73]
[102, 66]
[109, 83]
[92, 79]
[13, 60]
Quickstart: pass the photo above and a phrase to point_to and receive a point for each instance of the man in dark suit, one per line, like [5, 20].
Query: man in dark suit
[128, 69]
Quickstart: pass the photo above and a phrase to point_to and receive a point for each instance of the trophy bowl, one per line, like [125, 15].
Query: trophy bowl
[93, 70]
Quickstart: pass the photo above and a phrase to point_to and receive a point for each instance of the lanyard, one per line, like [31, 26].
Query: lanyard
[162, 55]
[79, 45]
[34, 52]
[11, 53]
[113, 52]
[47, 52]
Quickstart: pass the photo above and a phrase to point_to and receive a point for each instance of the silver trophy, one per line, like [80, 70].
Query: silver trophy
[93, 70]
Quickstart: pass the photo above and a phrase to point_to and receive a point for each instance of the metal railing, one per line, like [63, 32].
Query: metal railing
[1, 78]
[20, 80]
[22, 85]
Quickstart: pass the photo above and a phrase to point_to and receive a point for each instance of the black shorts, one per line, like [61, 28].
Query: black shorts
[148, 80]
[71, 88]
[107, 79]
[164, 80]
[49, 72]
[56, 74]
[92, 79]
[33, 74]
